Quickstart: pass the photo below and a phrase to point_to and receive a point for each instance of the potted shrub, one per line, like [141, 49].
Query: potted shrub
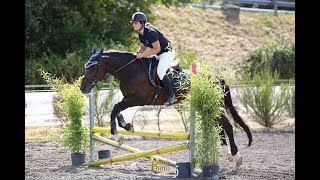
[69, 102]
[75, 136]
[205, 99]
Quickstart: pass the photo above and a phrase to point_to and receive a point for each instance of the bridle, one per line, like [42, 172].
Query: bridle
[94, 79]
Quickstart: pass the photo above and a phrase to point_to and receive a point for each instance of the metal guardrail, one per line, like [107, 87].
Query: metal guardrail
[274, 3]
[264, 2]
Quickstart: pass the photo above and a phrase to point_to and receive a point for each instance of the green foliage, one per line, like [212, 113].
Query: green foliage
[67, 68]
[69, 107]
[205, 102]
[58, 26]
[290, 106]
[75, 135]
[263, 100]
[278, 56]
[59, 35]
[56, 85]
[186, 59]
[183, 112]
[103, 105]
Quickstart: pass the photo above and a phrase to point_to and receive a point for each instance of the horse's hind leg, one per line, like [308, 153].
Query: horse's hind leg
[229, 130]
[225, 149]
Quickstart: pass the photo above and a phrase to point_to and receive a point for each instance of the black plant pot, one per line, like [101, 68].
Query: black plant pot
[78, 159]
[183, 170]
[103, 154]
[211, 172]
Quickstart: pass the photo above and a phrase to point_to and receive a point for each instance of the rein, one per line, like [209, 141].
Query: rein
[94, 81]
[124, 66]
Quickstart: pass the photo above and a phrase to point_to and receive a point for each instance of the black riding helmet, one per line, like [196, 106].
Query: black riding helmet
[139, 17]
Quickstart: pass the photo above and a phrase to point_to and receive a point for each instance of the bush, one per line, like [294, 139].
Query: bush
[265, 102]
[103, 105]
[75, 135]
[205, 102]
[56, 85]
[278, 56]
[290, 106]
[69, 108]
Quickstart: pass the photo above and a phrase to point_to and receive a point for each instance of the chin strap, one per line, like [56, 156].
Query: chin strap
[141, 27]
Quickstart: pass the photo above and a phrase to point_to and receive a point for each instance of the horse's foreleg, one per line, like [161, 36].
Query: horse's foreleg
[113, 125]
[122, 123]
[234, 149]
[124, 104]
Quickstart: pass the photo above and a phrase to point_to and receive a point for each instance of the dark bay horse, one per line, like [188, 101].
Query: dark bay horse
[139, 88]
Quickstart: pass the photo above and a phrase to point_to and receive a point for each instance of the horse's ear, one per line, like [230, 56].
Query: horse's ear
[101, 51]
[93, 51]
[100, 54]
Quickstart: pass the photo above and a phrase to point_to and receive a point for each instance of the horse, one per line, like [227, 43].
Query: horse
[140, 86]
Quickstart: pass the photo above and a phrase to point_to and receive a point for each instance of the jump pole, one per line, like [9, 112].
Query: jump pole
[132, 149]
[189, 136]
[136, 155]
[159, 134]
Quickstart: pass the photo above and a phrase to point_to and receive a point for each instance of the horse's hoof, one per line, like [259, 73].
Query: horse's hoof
[131, 128]
[119, 139]
[226, 152]
[239, 162]
[237, 159]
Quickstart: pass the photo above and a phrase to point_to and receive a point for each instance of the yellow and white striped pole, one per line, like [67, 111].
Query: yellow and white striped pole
[136, 155]
[159, 134]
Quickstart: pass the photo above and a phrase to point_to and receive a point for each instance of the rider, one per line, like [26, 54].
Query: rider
[160, 47]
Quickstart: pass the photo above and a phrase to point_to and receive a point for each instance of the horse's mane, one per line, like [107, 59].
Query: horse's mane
[119, 54]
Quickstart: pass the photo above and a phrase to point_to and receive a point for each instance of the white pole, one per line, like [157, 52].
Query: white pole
[191, 141]
[91, 115]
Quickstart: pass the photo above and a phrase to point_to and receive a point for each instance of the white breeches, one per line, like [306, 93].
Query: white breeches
[165, 60]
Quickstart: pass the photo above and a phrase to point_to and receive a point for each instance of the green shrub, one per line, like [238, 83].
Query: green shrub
[278, 56]
[68, 103]
[186, 59]
[56, 85]
[264, 102]
[205, 100]
[104, 105]
[290, 106]
[68, 68]
[75, 135]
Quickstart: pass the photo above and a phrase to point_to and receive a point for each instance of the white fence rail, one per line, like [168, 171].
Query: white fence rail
[39, 108]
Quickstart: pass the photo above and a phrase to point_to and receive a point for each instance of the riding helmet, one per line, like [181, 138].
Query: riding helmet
[139, 17]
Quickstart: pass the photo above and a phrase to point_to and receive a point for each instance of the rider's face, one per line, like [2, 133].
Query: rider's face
[136, 25]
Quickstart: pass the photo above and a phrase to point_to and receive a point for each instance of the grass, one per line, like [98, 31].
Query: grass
[215, 40]
[41, 132]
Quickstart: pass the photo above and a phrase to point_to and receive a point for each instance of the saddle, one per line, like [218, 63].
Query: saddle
[175, 73]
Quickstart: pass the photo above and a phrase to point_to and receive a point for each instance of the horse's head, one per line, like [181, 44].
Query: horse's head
[93, 72]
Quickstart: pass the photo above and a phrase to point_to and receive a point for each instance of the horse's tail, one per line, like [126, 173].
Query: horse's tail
[228, 103]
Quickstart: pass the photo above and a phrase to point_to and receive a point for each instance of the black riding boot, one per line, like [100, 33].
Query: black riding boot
[169, 91]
